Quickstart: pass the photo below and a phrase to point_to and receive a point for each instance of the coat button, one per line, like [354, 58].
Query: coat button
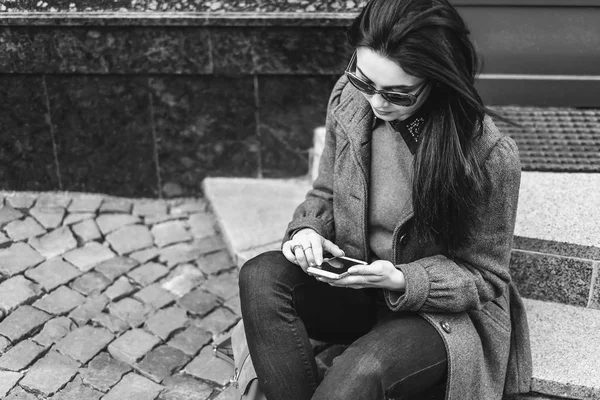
[446, 326]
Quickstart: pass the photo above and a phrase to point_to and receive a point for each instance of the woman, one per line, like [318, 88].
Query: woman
[417, 181]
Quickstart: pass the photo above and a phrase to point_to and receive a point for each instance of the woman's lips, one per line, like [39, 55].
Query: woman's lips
[382, 112]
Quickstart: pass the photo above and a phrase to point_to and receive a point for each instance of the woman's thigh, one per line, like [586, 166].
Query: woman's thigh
[273, 289]
[401, 357]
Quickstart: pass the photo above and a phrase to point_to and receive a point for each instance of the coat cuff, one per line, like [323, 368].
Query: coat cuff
[416, 291]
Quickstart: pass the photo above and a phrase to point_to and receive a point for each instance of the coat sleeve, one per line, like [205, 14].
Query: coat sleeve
[316, 211]
[478, 271]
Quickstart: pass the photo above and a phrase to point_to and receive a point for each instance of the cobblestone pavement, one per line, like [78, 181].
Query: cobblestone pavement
[112, 298]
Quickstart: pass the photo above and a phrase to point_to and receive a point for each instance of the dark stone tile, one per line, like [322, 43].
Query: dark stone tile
[280, 50]
[104, 134]
[291, 107]
[301, 50]
[551, 278]
[26, 151]
[129, 50]
[558, 248]
[205, 125]
[23, 50]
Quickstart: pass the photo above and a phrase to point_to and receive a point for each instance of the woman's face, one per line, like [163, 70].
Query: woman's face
[383, 73]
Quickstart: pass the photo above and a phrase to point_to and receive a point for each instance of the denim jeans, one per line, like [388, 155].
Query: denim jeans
[390, 355]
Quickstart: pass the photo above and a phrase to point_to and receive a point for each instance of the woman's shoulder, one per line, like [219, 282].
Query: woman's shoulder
[341, 92]
[496, 148]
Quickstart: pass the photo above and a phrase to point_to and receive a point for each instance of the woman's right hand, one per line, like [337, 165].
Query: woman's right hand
[306, 248]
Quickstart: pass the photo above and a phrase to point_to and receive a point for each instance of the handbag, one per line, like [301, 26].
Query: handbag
[234, 350]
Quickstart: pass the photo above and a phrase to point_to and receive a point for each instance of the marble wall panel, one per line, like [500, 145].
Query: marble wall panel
[551, 278]
[205, 125]
[104, 134]
[280, 50]
[105, 50]
[291, 107]
[26, 150]
[301, 50]
[23, 50]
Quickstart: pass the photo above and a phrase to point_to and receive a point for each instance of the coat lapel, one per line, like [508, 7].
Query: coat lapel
[355, 117]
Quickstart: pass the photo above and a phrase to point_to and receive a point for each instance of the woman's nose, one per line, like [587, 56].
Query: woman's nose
[377, 101]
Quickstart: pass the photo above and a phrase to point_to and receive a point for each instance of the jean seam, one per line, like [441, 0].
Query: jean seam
[300, 345]
[416, 372]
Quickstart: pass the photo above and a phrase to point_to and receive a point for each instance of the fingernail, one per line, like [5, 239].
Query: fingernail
[313, 264]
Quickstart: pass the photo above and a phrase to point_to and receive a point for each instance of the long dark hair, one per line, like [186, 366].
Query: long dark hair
[429, 39]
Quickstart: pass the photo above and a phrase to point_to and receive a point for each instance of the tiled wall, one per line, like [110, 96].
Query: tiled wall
[152, 110]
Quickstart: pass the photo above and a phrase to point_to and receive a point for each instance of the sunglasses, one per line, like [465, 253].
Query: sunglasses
[397, 98]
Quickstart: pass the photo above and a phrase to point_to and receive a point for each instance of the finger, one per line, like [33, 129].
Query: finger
[300, 257]
[310, 257]
[331, 247]
[359, 269]
[317, 249]
[286, 249]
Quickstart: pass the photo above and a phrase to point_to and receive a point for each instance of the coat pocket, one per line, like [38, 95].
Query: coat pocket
[497, 311]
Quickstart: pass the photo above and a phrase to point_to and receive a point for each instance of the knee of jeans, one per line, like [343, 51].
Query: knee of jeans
[257, 273]
[353, 378]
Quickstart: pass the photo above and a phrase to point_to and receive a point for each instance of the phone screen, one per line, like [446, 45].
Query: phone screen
[337, 265]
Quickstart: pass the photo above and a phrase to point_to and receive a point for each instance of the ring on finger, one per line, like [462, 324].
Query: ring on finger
[296, 246]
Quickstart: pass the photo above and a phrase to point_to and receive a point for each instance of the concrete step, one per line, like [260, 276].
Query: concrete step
[253, 214]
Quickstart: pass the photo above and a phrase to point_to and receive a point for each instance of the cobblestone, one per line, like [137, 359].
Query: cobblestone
[170, 232]
[91, 283]
[130, 238]
[78, 217]
[23, 229]
[119, 289]
[84, 343]
[60, 301]
[145, 255]
[215, 262]
[148, 273]
[52, 273]
[86, 230]
[225, 285]
[134, 387]
[199, 302]
[54, 330]
[76, 390]
[183, 279]
[54, 243]
[103, 372]
[167, 321]
[132, 346]
[185, 387]
[110, 322]
[16, 291]
[116, 267]
[191, 340]
[209, 367]
[88, 256]
[155, 296]
[9, 214]
[17, 258]
[49, 218]
[50, 373]
[92, 307]
[218, 321]
[87, 204]
[162, 362]
[131, 311]
[116, 206]
[109, 297]
[8, 380]
[21, 200]
[21, 322]
[111, 222]
[21, 356]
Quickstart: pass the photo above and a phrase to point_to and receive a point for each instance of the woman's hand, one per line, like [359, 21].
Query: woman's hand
[306, 247]
[379, 274]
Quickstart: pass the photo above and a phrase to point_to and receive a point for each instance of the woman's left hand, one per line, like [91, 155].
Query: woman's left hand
[379, 274]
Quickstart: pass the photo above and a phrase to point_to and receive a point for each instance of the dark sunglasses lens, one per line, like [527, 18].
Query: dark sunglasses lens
[360, 85]
[400, 99]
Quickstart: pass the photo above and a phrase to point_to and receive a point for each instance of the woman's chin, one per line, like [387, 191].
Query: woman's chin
[386, 116]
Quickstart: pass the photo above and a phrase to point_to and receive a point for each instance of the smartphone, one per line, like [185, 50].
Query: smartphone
[335, 267]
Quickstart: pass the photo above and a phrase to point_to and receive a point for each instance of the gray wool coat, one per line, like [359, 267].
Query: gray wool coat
[466, 293]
